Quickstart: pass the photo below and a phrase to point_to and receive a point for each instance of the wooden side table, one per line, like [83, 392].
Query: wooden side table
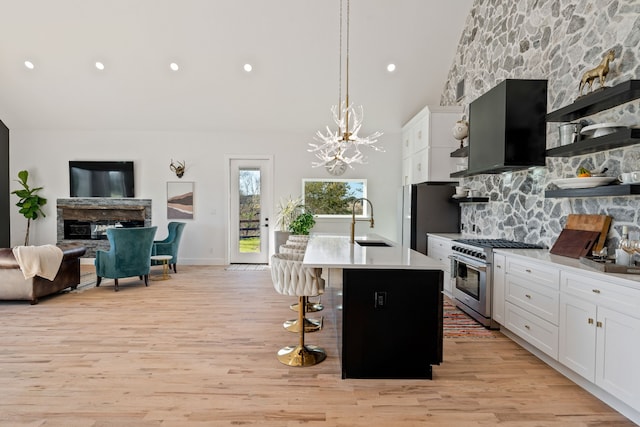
[165, 266]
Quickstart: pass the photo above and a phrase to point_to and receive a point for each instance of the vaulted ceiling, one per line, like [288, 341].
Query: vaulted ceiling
[293, 46]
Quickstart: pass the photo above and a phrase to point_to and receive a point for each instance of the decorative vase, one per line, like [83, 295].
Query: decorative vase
[461, 130]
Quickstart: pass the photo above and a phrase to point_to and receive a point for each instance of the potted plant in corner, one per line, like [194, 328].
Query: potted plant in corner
[30, 203]
[287, 210]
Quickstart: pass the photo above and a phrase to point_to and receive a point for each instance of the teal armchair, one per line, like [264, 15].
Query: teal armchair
[129, 255]
[170, 245]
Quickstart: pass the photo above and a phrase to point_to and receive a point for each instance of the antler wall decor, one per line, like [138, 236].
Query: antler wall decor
[179, 169]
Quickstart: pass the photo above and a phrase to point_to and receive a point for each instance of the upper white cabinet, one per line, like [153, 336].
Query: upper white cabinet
[427, 142]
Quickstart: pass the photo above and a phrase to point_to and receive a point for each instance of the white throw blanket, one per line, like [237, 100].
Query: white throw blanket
[43, 261]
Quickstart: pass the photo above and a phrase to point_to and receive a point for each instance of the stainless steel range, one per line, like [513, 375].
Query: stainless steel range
[471, 264]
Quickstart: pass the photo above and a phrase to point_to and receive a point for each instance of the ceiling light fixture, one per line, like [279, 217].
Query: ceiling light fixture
[99, 65]
[29, 65]
[248, 68]
[391, 68]
[174, 66]
[340, 148]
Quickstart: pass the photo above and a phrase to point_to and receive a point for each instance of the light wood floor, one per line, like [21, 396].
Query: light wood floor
[199, 350]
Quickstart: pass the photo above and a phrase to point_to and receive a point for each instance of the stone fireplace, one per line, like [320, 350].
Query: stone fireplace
[85, 220]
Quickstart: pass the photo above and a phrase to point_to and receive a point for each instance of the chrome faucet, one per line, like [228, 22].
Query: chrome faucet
[353, 217]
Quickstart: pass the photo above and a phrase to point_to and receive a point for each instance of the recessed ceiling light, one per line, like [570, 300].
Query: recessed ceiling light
[99, 65]
[248, 68]
[29, 64]
[174, 66]
[391, 68]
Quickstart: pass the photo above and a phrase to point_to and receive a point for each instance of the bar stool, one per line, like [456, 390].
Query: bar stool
[291, 248]
[312, 306]
[298, 239]
[291, 278]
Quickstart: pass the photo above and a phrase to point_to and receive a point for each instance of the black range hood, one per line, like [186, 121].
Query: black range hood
[507, 127]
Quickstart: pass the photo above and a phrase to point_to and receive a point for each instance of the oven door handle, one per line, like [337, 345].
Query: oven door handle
[480, 266]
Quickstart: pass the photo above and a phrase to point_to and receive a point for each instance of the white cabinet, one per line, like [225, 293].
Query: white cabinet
[600, 334]
[440, 249]
[497, 303]
[588, 321]
[427, 142]
[532, 303]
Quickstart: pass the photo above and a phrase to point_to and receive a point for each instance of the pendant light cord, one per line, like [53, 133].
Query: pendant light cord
[340, 67]
[346, 136]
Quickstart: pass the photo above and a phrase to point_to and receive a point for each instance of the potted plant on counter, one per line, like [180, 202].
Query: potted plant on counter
[30, 203]
[302, 224]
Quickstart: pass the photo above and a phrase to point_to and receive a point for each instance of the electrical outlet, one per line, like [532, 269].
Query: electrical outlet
[380, 299]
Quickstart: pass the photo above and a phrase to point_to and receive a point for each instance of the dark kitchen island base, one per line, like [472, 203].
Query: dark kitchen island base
[389, 322]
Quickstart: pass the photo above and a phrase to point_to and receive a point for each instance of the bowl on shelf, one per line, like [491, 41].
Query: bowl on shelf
[588, 182]
[600, 129]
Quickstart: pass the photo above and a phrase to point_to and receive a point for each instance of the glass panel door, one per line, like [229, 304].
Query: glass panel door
[249, 209]
[249, 218]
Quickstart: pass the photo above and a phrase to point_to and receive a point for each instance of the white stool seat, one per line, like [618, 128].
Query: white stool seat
[298, 238]
[291, 278]
[292, 249]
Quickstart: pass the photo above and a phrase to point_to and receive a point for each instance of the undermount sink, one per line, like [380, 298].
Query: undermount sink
[373, 243]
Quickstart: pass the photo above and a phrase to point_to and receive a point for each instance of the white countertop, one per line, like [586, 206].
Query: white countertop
[335, 251]
[543, 255]
[447, 236]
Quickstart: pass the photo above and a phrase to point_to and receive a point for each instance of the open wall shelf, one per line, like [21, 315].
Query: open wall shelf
[592, 103]
[602, 191]
[597, 101]
[471, 200]
[461, 152]
[617, 139]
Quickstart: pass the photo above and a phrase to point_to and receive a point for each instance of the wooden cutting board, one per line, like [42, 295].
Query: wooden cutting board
[575, 243]
[599, 223]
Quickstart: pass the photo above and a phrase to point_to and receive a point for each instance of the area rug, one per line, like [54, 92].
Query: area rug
[457, 324]
[247, 267]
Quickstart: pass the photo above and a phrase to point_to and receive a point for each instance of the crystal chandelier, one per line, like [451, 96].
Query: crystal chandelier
[338, 149]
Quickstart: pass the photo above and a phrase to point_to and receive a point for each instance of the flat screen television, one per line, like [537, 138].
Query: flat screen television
[101, 179]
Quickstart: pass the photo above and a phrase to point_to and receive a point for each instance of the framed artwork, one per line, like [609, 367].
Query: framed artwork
[179, 200]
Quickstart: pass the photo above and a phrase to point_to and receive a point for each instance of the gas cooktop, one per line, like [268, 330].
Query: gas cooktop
[498, 243]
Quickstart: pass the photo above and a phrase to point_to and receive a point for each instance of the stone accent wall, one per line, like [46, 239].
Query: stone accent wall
[92, 204]
[557, 40]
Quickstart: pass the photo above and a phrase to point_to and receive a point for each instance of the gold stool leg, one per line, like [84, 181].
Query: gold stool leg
[301, 355]
[310, 325]
[311, 306]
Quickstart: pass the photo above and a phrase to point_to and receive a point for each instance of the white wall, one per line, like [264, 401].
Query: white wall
[45, 154]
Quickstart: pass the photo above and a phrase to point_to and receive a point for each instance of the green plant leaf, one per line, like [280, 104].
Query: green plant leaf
[23, 176]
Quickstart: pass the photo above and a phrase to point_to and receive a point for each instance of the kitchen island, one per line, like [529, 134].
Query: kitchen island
[387, 305]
